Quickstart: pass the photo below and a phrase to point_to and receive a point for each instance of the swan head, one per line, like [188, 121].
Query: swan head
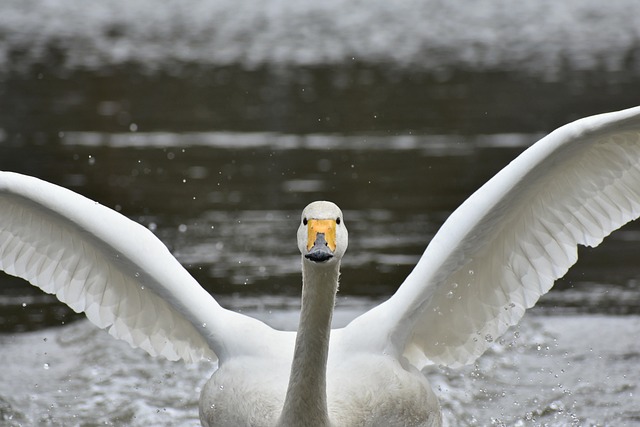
[322, 235]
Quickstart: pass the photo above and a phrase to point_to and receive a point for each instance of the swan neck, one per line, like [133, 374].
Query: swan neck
[306, 399]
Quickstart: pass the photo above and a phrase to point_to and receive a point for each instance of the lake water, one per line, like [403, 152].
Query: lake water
[217, 140]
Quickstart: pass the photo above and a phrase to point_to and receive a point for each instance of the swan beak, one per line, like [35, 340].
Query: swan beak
[321, 239]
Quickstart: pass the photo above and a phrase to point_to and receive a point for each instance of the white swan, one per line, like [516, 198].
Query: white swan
[491, 260]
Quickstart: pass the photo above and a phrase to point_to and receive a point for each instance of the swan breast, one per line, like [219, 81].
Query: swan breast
[245, 391]
[376, 390]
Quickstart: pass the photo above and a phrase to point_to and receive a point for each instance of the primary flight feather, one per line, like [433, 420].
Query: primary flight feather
[492, 259]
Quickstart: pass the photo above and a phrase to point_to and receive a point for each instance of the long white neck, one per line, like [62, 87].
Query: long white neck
[306, 400]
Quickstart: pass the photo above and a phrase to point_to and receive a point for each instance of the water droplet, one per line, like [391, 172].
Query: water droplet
[450, 294]
[471, 273]
[454, 285]
[46, 366]
[204, 325]
[24, 304]
[488, 338]
[182, 228]
[221, 387]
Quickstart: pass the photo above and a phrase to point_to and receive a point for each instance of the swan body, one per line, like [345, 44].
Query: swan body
[309, 382]
[251, 392]
[492, 259]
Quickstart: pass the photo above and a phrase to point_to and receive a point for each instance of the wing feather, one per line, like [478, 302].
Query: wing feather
[507, 244]
[116, 271]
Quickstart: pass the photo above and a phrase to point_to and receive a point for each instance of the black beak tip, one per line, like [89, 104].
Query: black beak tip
[318, 256]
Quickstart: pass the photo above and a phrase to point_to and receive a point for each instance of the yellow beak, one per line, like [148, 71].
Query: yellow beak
[325, 226]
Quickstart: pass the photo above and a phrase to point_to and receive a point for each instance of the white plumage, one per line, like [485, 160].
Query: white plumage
[492, 259]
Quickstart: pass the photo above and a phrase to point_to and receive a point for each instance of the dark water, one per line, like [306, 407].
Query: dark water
[301, 67]
[228, 204]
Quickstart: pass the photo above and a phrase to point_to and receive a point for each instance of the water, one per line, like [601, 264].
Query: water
[216, 132]
[547, 371]
[309, 67]
[543, 37]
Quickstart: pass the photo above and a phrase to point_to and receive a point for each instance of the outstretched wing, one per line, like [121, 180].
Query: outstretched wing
[115, 270]
[505, 246]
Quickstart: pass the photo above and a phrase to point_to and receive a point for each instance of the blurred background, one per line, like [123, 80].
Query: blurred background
[214, 122]
[304, 67]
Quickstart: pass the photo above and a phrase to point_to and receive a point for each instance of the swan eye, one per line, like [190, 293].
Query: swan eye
[338, 220]
[304, 221]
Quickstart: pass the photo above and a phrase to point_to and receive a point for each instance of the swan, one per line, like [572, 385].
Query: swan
[491, 260]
